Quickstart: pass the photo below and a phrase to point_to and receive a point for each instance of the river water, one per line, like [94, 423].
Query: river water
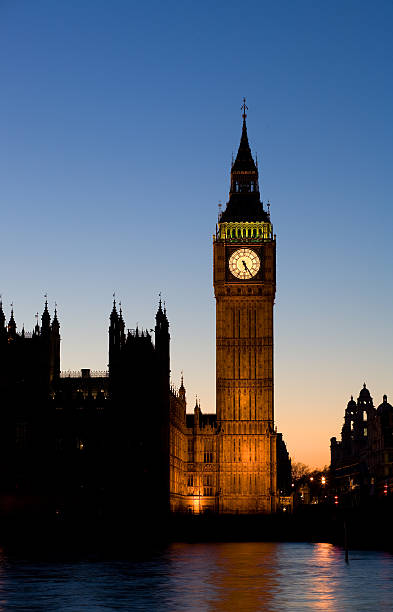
[212, 576]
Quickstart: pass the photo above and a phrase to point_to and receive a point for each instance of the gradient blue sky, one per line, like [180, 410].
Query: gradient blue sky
[117, 124]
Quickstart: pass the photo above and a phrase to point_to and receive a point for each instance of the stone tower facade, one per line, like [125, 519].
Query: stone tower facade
[245, 284]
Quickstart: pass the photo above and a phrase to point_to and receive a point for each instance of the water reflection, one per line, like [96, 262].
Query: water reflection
[318, 582]
[227, 576]
[212, 576]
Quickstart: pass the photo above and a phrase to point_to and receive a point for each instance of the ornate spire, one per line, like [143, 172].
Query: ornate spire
[11, 323]
[244, 161]
[121, 325]
[114, 316]
[182, 391]
[244, 197]
[55, 322]
[161, 318]
[45, 318]
[37, 327]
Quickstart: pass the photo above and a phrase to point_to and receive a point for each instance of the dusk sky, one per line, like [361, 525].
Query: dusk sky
[117, 125]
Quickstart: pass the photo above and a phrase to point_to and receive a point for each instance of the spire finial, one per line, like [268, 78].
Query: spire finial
[244, 109]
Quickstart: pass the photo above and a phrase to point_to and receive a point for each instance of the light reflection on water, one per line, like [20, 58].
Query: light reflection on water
[212, 576]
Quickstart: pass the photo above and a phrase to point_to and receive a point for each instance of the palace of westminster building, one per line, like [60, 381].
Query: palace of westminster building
[121, 441]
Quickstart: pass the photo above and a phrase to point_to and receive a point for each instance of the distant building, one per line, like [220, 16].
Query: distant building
[362, 461]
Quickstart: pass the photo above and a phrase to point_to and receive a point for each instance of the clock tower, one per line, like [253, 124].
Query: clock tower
[244, 249]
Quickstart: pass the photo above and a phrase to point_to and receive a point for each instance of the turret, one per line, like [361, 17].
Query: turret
[45, 320]
[347, 431]
[364, 414]
[55, 347]
[121, 327]
[350, 414]
[114, 340]
[162, 339]
[36, 331]
[182, 390]
[197, 413]
[12, 325]
[55, 324]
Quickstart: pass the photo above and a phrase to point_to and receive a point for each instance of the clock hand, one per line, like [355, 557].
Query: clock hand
[246, 267]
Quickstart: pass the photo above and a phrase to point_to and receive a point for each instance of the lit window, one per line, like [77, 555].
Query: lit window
[208, 451]
[208, 485]
[190, 449]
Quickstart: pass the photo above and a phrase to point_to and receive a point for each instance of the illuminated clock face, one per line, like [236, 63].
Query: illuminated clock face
[244, 263]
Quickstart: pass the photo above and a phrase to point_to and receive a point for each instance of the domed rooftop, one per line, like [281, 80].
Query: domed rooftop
[351, 404]
[385, 406]
[364, 393]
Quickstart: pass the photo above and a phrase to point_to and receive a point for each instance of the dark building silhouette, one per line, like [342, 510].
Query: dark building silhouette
[362, 461]
[87, 442]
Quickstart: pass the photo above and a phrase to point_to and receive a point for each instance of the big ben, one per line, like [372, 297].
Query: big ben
[244, 253]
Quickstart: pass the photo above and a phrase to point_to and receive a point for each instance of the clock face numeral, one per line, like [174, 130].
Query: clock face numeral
[244, 263]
